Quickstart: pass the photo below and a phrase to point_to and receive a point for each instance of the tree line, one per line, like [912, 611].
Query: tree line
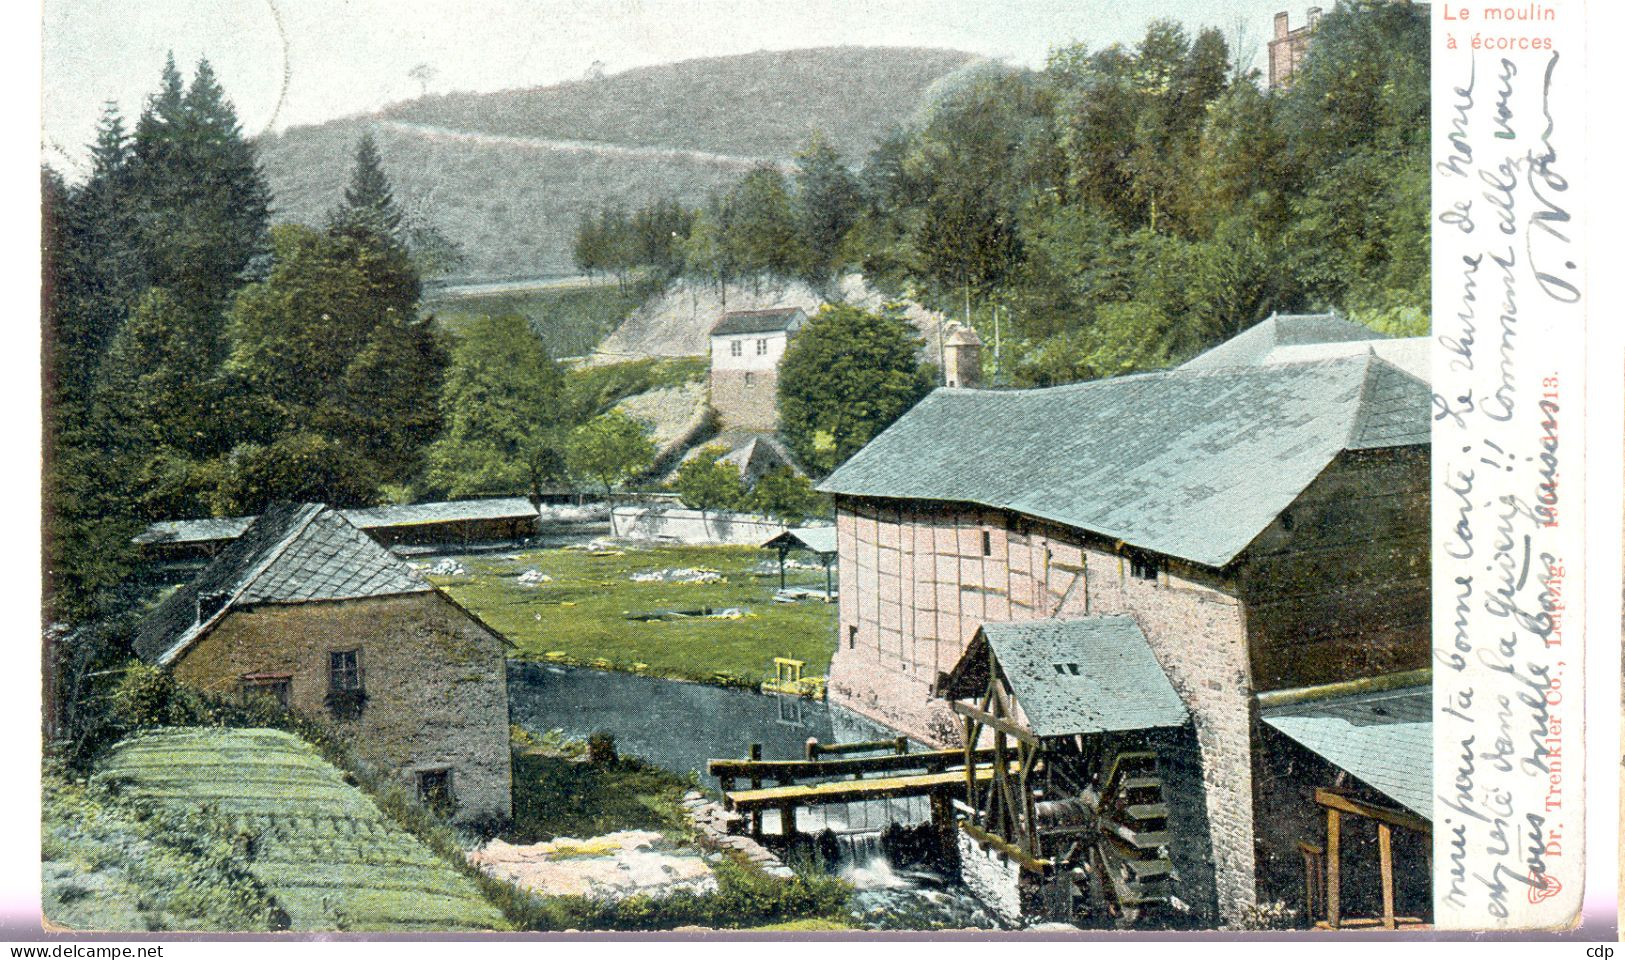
[1121, 209]
[201, 361]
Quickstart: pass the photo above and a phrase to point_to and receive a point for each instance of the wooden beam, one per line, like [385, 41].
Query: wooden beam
[1393, 818]
[1385, 857]
[849, 791]
[1334, 866]
[997, 723]
[1392, 681]
[988, 840]
[810, 769]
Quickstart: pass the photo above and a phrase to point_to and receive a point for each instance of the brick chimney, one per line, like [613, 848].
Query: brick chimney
[1281, 28]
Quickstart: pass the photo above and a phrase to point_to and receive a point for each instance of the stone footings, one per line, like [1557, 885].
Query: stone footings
[719, 827]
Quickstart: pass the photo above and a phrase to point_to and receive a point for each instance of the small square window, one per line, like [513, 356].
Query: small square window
[851, 637]
[736, 348]
[1142, 568]
[434, 790]
[761, 347]
[750, 378]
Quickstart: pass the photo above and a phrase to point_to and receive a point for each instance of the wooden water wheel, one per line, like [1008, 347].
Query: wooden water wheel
[1112, 837]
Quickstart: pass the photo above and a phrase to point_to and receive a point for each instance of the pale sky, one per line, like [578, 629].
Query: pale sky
[343, 57]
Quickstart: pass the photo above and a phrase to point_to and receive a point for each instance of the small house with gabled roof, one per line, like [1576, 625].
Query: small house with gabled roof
[306, 612]
[1264, 525]
[746, 347]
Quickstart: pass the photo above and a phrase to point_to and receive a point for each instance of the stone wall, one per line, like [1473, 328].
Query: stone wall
[435, 680]
[682, 525]
[993, 879]
[746, 399]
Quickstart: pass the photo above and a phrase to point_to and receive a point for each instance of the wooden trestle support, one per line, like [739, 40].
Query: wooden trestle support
[1087, 812]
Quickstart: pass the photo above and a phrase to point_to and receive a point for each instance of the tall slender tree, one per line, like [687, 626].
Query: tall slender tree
[368, 208]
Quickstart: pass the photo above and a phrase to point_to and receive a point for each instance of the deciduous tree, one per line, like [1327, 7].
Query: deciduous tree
[610, 450]
[845, 377]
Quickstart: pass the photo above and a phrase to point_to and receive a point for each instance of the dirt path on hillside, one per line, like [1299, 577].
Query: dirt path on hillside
[448, 135]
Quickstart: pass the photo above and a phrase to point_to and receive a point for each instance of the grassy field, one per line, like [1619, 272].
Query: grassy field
[320, 847]
[572, 319]
[581, 616]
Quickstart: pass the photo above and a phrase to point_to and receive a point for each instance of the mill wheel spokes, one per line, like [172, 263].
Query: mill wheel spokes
[1118, 835]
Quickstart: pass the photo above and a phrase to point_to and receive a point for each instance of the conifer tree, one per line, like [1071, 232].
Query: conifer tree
[368, 208]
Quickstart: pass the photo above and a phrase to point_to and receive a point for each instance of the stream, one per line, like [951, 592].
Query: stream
[679, 726]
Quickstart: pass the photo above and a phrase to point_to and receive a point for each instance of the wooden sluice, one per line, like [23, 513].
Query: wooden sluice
[785, 785]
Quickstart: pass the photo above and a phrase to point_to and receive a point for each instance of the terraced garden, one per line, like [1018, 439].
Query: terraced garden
[321, 848]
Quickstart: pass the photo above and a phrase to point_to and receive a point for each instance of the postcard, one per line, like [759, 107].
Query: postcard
[996, 469]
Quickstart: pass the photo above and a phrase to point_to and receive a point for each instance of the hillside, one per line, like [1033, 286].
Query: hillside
[678, 321]
[509, 174]
[322, 850]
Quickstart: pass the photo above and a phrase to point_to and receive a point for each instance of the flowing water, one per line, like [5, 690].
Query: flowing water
[679, 726]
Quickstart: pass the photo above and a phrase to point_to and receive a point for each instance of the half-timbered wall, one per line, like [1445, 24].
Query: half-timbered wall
[915, 584]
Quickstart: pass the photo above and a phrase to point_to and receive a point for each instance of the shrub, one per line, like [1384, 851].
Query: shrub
[601, 748]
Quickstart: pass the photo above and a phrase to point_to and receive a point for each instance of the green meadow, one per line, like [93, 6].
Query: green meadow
[582, 615]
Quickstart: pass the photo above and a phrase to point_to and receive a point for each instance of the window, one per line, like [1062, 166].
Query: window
[1142, 568]
[761, 347]
[346, 693]
[736, 348]
[987, 544]
[1065, 668]
[750, 378]
[434, 790]
[271, 689]
[851, 637]
[344, 671]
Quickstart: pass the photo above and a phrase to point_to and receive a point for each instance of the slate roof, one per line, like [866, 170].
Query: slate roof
[365, 518]
[817, 539]
[1254, 345]
[292, 553]
[1090, 675]
[1384, 739]
[193, 531]
[1410, 354]
[756, 457]
[755, 321]
[451, 511]
[1188, 463]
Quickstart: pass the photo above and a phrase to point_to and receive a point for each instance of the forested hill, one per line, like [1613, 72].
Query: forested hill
[508, 175]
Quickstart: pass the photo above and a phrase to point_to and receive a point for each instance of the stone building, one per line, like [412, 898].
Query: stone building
[306, 611]
[746, 347]
[1288, 47]
[1264, 526]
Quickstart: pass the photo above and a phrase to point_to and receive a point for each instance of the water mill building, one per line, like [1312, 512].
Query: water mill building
[1189, 608]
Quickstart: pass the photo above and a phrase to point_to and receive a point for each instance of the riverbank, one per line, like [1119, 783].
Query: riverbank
[697, 613]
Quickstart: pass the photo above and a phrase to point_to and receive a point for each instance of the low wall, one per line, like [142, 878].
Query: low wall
[682, 525]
